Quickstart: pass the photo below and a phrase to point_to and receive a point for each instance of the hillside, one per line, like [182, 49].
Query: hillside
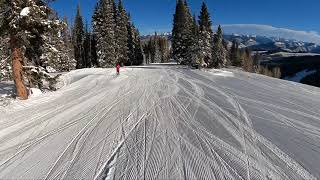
[164, 121]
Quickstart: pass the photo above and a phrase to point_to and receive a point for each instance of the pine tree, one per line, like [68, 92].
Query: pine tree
[248, 61]
[130, 44]
[78, 39]
[94, 56]
[25, 22]
[56, 48]
[206, 35]
[69, 62]
[164, 49]
[87, 48]
[104, 26]
[147, 51]
[219, 54]
[195, 46]
[157, 53]
[122, 34]
[181, 33]
[235, 54]
[256, 62]
[139, 58]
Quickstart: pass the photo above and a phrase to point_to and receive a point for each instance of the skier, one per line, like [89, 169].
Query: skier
[118, 69]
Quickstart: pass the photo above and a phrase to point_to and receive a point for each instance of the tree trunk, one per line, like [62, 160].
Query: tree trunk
[17, 68]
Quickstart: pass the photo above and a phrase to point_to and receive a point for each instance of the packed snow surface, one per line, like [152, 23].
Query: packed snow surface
[164, 122]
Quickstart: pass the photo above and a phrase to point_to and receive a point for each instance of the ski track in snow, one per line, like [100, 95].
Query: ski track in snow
[164, 122]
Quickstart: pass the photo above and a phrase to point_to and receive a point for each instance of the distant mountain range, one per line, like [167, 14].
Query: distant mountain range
[263, 43]
[270, 31]
[267, 38]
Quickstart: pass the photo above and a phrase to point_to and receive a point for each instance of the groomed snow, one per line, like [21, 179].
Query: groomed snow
[164, 122]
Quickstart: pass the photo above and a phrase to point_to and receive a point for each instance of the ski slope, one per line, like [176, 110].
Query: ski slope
[164, 122]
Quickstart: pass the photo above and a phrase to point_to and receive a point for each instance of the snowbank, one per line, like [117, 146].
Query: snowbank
[34, 92]
[222, 73]
[25, 11]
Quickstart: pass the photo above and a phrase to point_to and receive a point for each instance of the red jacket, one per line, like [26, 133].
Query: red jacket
[118, 68]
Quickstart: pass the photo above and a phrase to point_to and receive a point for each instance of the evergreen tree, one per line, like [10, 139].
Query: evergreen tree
[219, 52]
[139, 58]
[248, 61]
[147, 48]
[235, 54]
[87, 48]
[157, 49]
[26, 23]
[157, 53]
[78, 39]
[181, 33]
[104, 26]
[94, 56]
[195, 46]
[122, 34]
[164, 49]
[130, 44]
[56, 48]
[206, 35]
[256, 62]
[69, 63]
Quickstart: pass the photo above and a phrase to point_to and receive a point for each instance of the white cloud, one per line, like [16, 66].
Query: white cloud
[270, 31]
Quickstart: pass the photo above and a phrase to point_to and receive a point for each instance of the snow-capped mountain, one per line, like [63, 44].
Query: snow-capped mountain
[270, 31]
[263, 43]
[267, 38]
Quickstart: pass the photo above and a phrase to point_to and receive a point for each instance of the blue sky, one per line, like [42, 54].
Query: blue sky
[152, 15]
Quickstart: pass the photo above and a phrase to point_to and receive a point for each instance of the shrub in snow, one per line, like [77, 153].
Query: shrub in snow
[37, 77]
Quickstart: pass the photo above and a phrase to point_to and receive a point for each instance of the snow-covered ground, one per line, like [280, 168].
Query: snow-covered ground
[164, 122]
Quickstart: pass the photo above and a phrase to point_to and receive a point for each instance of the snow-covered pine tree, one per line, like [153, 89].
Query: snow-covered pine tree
[147, 52]
[68, 53]
[94, 56]
[235, 54]
[219, 54]
[206, 35]
[138, 56]
[256, 62]
[157, 52]
[164, 49]
[122, 34]
[104, 26]
[87, 48]
[130, 43]
[248, 61]
[56, 48]
[78, 35]
[25, 21]
[195, 46]
[181, 33]
[190, 37]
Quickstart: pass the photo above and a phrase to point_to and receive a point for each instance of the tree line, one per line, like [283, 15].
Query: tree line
[193, 39]
[195, 43]
[117, 39]
[157, 49]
